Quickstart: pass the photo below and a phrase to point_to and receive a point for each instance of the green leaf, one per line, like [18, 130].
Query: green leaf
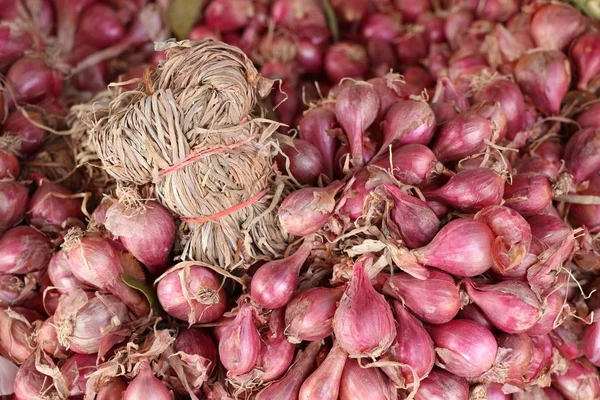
[182, 15]
[331, 20]
[145, 289]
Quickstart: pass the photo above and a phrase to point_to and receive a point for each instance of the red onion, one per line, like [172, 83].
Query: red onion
[8, 375]
[415, 220]
[274, 283]
[435, 300]
[567, 338]
[306, 210]
[146, 385]
[59, 272]
[545, 77]
[411, 10]
[508, 94]
[289, 102]
[100, 26]
[413, 348]
[346, 60]
[191, 293]
[385, 27]
[457, 25]
[309, 57]
[78, 365]
[580, 381]
[309, 315]
[442, 385]
[67, 17]
[536, 164]
[147, 231]
[382, 57]
[304, 17]
[31, 79]
[112, 390]
[288, 387]
[88, 325]
[462, 247]
[201, 32]
[359, 383]
[463, 347]
[538, 393]
[590, 343]
[305, 162]
[16, 331]
[588, 118]
[434, 28]
[30, 137]
[462, 136]
[239, 346]
[196, 342]
[17, 289]
[356, 108]
[418, 78]
[350, 12]
[585, 57]
[554, 26]
[324, 382]
[23, 250]
[229, 15]
[542, 360]
[437, 61]
[31, 381]
[528, 194]
[582, 155]
[494, 10]
[53, 206]
[408, 121]
[13, 204]
[47, 339]
[474, 313]
[95, 77]
[549, 230]
[390, 88]
[513, 236]
[510, 305]
[363, 323]
[95, 262]
[314, 128]
[9, 164]
[411, 164]
[587, 215]
[13, 43]
[512, 367]
[470, 190]
[492, 111]
[411, 47]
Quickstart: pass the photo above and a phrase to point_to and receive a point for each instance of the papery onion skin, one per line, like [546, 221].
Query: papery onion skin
[587, 215]
[30, 137]
[363, 323]
[463, 347]
[16, 331]
[306, 162]
[442, 385]
[580, 381]
[81, 364]
[146, 385]
[365, 383]
[239, 345]
[23, 250]
[13, 204]
[9, 163]
[553, 314]
[435, 300]
[201, 300]
[196, 341]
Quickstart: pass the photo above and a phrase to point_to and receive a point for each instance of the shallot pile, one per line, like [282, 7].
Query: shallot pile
[299, 199]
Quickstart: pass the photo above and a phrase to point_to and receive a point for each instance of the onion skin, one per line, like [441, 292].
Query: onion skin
[554, 26]
[30, 382]
[13, 204]
[360, 332]
[582, 155]
[147, 232]
[365, 383]
[463, 347]
[23, 250]
[580, 381]
[545, 77]
[554, 312]
[435, 300]
[510, 305]
[462, 136]
[309, 315]
[324, 382]
[528, 194]
[390, 88]
[492, 391]
[385, 27]
[112, 390]
[15, 333]
[196, 341]
[314, 127]
[442, 385]
[201, 300]
[239, 345]
[548, 230]
[79, 365]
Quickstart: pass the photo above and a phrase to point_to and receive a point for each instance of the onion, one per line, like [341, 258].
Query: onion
[390, 88]
[274, 283]
[545, 77]
[590, 342]
[382, 57]
[13, 204]
[346, 60]
[89, 325]
[146, 385]
[413, 348]
[434, 28]
[585, 57]
[191, 293]
[289, 102]
[410, 164]
[53, 206]
[537, 393]
[548, 230]
[359, 383]
[288, 387]
[112, 390]
[305, 162]
[435, 300]
[315, 126]
[147, 231]
[13, 43]
[195, 341]
[542, 359]
[457, 25]
[31, 79]
[229, 15]
[16, 332]
[239, 346]
[356, 108]
[463, 347]
[554, 26]
[582, 155]
[512, 367]
[438, 63]
[47, 339]
[17, 289]
[528, 194]
[196, 354]
[587, 215]
[417, 78]
[95, 262]
[492, 391]
[7, 376]
[442, 385]
[384, 27]
[408, 121]
[29, 136]
[495, 10]
[411, 48]
[470, 190]
[588, 118]
[310, 57]
[580, 381]
[23, 250]
[100, 26]
[31, 381]
[201, 32]
[513, 236]
[462, 247]
[309, 315]
[363, 323]
[59, 272]
[474, 313]
[324, 382]
[306, 210]
[492, 111]
[79, 365]
[567, 338]
[411, 10]
[304, 17]
[508, 94]
[9, 164]
[462, 136]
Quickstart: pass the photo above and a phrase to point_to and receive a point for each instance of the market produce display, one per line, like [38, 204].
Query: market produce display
[299, 199]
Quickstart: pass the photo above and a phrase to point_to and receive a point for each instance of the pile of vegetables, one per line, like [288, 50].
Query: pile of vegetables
[299, 199]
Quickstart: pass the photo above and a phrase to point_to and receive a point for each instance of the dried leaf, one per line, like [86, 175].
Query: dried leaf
[331, 20]
[146, 290]
[182, 15]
